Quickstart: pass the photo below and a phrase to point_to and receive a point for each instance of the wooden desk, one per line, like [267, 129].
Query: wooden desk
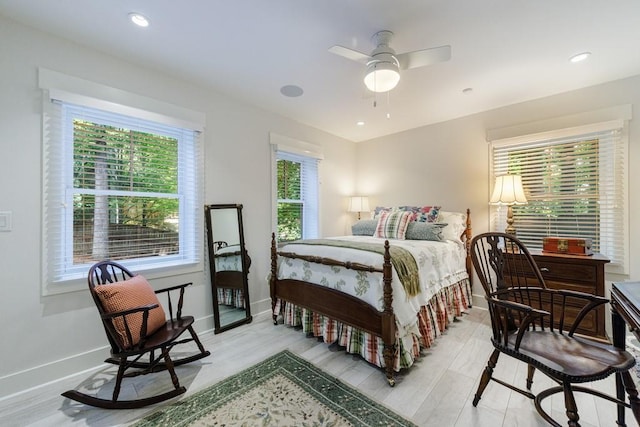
[625, 310]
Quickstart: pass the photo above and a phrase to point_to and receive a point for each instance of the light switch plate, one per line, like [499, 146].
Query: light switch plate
[5, 220]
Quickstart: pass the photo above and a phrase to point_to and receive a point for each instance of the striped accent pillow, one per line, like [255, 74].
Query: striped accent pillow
[128, 294]
[393, 225]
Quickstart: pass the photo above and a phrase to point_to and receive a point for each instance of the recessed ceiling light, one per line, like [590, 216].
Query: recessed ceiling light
[360, 123]
[139, 20]
[291, 91]
[580, 57]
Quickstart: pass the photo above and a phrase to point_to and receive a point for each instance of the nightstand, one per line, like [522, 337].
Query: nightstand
[576, 273]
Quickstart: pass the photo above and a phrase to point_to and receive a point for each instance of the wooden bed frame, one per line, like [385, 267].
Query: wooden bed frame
[346, 308]
[231, 279]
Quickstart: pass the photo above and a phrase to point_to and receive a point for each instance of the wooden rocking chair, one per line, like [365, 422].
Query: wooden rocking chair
[136, 326]
[537, 325]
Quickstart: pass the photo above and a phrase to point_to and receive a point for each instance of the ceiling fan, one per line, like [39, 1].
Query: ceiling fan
[383, 65]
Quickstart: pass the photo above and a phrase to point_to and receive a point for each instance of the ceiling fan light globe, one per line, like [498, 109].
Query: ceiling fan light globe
[381, 77]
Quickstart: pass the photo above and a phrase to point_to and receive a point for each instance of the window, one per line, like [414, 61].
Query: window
[297, 179]
[574, 183]
[117, 187]
[296, 191]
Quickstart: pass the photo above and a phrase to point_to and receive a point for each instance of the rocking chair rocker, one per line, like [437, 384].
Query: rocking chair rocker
[135, 324]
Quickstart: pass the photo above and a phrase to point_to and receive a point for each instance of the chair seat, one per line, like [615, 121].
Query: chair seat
[575, 358]
[166, 334]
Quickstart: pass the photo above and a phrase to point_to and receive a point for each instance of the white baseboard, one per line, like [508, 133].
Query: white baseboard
[20, 382]
[261, 306]
[479, 301]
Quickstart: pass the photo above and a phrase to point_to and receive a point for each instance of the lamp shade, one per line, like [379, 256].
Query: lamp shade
[383, 74]
[359, 204]
[508, 191]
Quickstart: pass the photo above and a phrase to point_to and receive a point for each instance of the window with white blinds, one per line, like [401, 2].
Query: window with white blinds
[575, 186]
[297, 196]
[118, 187]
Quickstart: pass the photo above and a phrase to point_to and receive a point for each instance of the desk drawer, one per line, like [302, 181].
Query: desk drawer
[571, 306]
[571, 272]
[564, 271]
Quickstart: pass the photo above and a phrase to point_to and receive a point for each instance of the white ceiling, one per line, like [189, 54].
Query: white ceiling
[507, 51]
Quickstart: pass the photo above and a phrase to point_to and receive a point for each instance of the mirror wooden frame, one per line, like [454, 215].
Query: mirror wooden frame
[227, 276]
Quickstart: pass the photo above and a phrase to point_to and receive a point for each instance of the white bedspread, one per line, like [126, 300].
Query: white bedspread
[228, 258]
[440, 264]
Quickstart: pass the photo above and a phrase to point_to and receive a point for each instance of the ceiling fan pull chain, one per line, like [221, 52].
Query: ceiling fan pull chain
[375, 99]
[388, 105]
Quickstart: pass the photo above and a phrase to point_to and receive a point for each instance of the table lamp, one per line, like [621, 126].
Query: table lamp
[359, 204]
[508, 191]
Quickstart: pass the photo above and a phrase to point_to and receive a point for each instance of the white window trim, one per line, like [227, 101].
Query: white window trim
[582, 123]
[291, 145]
[72, 89]
[295, 146]
[84, 92]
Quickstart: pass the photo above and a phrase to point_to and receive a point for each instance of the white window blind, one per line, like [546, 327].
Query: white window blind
[118, 187]
[297, 196]
[575, 186]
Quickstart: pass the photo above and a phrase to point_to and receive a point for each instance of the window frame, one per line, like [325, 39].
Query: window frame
[583, 132]
[291, 149]
[58, 181]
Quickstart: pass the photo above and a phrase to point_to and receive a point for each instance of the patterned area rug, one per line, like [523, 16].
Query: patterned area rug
[283, 390]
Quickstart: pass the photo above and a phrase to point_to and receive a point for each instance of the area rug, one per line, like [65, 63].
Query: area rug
[283, 390]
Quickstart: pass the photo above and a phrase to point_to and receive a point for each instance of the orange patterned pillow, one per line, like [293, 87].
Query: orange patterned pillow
[131, 293]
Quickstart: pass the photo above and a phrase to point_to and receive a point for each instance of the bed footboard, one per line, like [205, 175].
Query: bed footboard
[337, 305]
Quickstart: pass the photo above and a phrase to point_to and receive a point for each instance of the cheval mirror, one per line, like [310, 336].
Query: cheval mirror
[228, 265]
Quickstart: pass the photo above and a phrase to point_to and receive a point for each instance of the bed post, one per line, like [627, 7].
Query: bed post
[468, 232]
[388, 318]
[273, 277]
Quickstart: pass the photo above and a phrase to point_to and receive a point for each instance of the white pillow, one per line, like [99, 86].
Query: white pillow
[457, 224]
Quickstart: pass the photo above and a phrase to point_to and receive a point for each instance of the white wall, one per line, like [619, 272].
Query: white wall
[44, 338]
[447, 163]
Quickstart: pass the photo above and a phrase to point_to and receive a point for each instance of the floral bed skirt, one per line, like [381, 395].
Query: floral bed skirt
[433, 319]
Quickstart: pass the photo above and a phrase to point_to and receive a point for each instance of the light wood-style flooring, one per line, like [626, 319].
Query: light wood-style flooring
[437, 391]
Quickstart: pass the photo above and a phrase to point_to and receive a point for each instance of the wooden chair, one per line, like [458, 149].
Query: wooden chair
[537, 326]
[136, 326]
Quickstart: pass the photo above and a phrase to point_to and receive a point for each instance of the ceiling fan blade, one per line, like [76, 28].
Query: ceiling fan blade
[420, 58]
[354, 55]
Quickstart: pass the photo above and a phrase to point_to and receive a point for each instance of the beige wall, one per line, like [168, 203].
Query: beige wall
[44, 338]
[448, 163]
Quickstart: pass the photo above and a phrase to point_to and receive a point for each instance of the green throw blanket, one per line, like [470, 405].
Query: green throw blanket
[402, 260]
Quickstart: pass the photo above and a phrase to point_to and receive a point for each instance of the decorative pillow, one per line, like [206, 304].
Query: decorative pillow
[422, 213]
[364, 227]
[425, 231]
[456, 225]
[419, 213]
[131, 293]
[393, 225]
[378, 211]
